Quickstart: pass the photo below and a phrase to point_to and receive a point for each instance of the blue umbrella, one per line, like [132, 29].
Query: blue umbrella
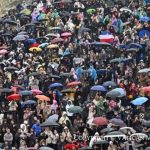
[99, 88]
[122, 46]
[25, 93]
[54, 85]
[139, 101]
[53, 118]
[142, 33]
[109, 83]
[145, 19]
[101, 44]
[31, 41]
[134, 45]
[105, 32]
[121, 91]
[29, 102]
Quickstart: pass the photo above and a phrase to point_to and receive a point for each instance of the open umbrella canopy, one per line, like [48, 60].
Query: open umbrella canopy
[53, 118]
[20, 38]
[101, 44]
[139, 101]
[121, 91]
[25, 93]
[117, 122]
[106, 130]
[52, 46]
[142, 33]
[65, 34]
[35, 49]
[6, 90]
[11, 22]
[68, 91]
[43, 45]
[75, 109]
[31, 41]
[109, 83]
[100, 121]
[113, 94]
[57, 40]
[34, 74]
[14, 97]
[54, 85]
[116, 60]
[49, 123]
[36, 92]
[145, 70]
[11, 68]
[145, 19]
[115, 134]
[126, 10]
[132, 50]
[3, 52]
[146, 89]
[139, 136]
[28, 102]
[75, 83]
[26, 11]
[126, 129]
[45, 148]
[98, 88]
[42, 98]
[134, 45]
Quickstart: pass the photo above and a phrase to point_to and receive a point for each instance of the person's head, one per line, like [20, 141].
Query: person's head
[8, 130]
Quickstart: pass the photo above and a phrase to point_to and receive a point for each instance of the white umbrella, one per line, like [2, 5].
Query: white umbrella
[115, 134]
[145, 70]
[140, 136]
[126, 129]
[125, 9]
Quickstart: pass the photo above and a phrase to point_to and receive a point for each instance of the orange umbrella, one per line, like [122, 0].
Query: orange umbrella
[14, 97]
[74, 83]
[42, 98]
[146, 89]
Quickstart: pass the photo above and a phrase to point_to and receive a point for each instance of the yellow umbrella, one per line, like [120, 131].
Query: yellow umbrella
[51, 46]
[26, 12]
[35, 49]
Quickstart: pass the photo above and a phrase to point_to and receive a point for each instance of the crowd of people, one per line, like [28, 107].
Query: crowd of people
[75, 74]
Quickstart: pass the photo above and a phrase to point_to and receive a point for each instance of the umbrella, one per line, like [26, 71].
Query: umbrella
[43, 45]
[100, 121]
[126, 129]
[34, 74]
[113, 94]
[115, 134]
[4, 47]
[101, 44]
[145, 19]
[75, 109]
[145, 70]
[122, 46]
[142, 33]
[31, 41]
[141, 136]
[91, 11]
[29, 102]
[54, 76]
[25, 93]
[22, 33]
[121, 91]
[54, 85]
[146, 123]
[57, 40]
[34, 45]
[49, 123]
[45, 148]
[52, 46]
[51, 35]
[146, 89]
[42, 98]
[53, 118]
[75, 83]
[132, 50]
[86, 148]
[55, 28]
[3, 52]
[98, 88]
[6, 90]
[134, 45]
[14, 97]
[35, 49]
[65, 74]
[11, 68]
[41, 38]
[65, 34]
[139, 101]
[85, 29]
[109, 83]
[20, 37]
[116, 60]
[117, 122]
[147, 148]
[68, 91]
[36, 92]
[126, 10]
[26, 11]
[106, 38]
[106, 130]
[11, 22]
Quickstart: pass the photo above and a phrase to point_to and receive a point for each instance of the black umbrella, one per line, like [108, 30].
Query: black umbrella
[11, 22]
[86, 148]
[106, 130]
[54, 76]
[33, 74]
[49, 123]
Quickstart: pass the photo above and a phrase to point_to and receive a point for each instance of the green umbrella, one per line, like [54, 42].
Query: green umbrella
[113, 94]
[75, 109]
[91, 11]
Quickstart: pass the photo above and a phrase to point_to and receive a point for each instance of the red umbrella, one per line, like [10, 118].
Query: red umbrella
[57, 40]
[14, 97]
[3, 52]
[100, 121]
[34, 45]
[3, 47]
[71, 146]
[74, 83]
[146, 89]
[66, 34]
